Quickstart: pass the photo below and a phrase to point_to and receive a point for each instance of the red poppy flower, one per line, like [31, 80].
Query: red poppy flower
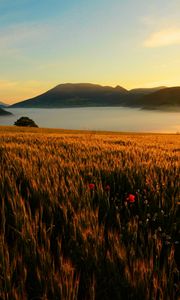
[91, 186]
[107, 188]
[131, 198]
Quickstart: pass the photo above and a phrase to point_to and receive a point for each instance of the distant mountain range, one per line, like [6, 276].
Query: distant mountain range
[90, 95]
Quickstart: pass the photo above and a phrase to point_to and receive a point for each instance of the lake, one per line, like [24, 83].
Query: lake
[99, 118]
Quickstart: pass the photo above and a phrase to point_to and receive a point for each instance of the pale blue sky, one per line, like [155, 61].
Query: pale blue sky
[44, 43]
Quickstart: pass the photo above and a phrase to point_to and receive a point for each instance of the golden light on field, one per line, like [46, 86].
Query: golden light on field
[82, 207]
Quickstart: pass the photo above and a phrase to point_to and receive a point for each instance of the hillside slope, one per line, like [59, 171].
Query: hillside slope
[89, 95]
[146, 91]
[162, 99]
[3, 105]
[72, 95]
[4, 112]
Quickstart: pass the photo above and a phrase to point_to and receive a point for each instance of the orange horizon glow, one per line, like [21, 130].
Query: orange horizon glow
[13, 92]
[78, 41]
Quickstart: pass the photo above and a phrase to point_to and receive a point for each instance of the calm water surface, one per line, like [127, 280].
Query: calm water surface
[99, 118]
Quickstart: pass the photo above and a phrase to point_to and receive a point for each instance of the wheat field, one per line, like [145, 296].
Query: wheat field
[89, 215]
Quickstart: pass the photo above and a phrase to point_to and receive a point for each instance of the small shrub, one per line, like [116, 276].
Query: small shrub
[25, 122]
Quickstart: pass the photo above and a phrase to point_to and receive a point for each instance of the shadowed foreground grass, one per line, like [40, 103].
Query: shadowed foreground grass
[89, 216]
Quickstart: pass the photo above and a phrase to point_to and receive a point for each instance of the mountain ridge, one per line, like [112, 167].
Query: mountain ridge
[168, 97]
[88, 95]
[4, 112]
[146, 91]
[3, 105]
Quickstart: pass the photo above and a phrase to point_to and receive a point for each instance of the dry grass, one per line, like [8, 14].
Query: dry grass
[62, 238]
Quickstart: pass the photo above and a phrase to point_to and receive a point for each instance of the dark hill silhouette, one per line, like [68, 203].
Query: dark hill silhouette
[3, 105]
[76, 95]
[88, 95]
[147, 91]
[4, 112]
[162, 99]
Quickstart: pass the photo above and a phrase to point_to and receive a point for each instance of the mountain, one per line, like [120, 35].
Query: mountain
[76, 95]
[146, 91]
[89, 95]
[4, 112]
[168, 98]
[3, 105]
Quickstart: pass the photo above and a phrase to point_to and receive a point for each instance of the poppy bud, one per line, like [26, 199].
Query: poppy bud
[91, 186]
[131, 198]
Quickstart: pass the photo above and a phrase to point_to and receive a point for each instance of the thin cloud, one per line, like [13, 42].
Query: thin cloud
[14, 35]
[163, 38]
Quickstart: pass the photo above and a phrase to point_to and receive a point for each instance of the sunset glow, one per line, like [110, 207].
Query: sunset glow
[128, 43]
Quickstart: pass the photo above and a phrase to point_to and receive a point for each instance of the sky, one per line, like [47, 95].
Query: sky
[118, 42]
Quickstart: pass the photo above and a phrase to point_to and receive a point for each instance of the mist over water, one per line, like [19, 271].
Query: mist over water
[99, 118]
